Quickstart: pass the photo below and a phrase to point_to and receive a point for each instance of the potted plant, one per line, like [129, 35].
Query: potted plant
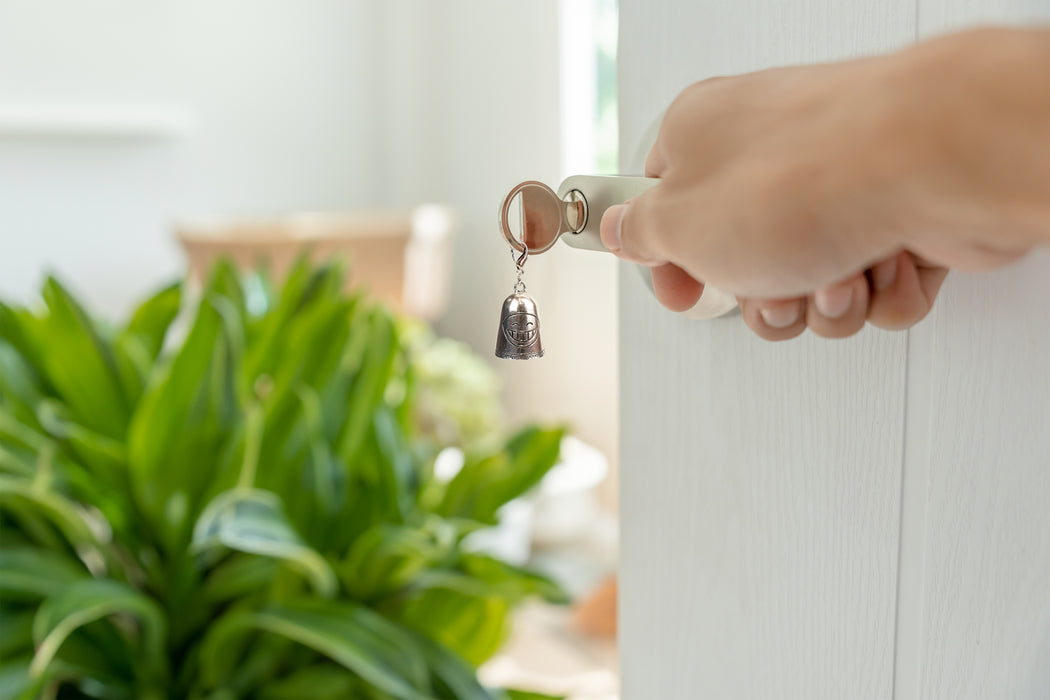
[246, 512]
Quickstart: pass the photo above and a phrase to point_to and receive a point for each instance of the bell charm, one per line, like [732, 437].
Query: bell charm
[519, 329]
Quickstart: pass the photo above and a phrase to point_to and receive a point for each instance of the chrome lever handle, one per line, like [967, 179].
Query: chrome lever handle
[600, 192]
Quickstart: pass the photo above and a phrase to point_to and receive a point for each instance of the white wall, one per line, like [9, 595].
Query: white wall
[474, 95]
[281, 119]
[325, 104]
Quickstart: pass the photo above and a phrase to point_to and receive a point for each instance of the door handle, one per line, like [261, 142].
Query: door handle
[598, 193]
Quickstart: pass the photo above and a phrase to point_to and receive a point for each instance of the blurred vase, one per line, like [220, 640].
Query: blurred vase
[402, 259]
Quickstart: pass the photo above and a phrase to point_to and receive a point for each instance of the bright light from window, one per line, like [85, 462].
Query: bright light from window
[588, 86]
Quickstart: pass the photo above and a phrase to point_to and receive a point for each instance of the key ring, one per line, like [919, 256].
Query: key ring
[543, 217]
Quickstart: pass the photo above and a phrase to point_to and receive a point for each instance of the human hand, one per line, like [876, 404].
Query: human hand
[831, 195]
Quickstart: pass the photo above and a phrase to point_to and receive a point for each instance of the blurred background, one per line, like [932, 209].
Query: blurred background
[124, 122]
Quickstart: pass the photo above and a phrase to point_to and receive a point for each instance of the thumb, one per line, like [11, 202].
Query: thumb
[625, 230]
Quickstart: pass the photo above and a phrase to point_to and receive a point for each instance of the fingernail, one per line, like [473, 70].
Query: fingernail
[780, 316]
[612, 220]
[884, 274]
[833, 302]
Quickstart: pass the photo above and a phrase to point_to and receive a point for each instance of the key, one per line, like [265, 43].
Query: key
[574, 213]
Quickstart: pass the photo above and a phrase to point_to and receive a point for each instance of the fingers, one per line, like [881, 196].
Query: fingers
[775, 319]
[895, 294]
[609, 228]
[837, 311]
[674, 288]
[655, 163]
[840, 310]
[630, 229]
[903, 289]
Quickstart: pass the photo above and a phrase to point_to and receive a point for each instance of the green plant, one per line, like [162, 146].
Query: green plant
[248, 514]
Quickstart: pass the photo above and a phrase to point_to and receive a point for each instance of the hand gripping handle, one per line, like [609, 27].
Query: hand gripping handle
[600, 192]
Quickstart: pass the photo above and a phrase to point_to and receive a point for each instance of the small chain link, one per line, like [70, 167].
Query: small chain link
[519, 266]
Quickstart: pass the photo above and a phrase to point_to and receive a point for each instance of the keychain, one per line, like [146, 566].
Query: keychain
[574, 213]
[519, 321]
[544, 217]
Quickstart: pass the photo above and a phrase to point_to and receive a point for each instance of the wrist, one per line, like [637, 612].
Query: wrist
[978, 121]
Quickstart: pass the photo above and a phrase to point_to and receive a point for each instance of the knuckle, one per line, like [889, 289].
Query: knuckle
[785, 334]
[753, 320]
[895, 319]
[898, 311]
[844, 329]
[704, 86]
[644, 223]
[692, 106]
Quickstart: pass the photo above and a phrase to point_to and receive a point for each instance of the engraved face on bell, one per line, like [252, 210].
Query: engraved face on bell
[519, 329]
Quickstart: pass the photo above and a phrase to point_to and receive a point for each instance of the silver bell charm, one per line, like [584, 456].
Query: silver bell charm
[519, 329]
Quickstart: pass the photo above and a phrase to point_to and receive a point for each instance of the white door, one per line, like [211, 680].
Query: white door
[867, 518]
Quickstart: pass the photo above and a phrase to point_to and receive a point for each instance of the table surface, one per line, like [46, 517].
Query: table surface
[545, 653]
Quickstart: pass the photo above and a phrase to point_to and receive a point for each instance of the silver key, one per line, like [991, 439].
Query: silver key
[543, 216]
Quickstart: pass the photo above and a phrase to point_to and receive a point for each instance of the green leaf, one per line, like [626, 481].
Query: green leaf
[150, 322]
[160, 509]
[225, 281]
[239, 577]
[401, 473]
[483, 485]
[323, 469]
[320, 682]
[104, 456]
[352, 636]
[18, 329]
[20, 497]
[334, 393]
[31, 574]
[69, 476]
[252, 521]
[15, 681]
[261, 663]
[20, 389]
[312, 344]
[511, 582]
[86, 601]
[140, 343]
[16, 632]
[484, 577]
[472, 626]
[453, 674]
[178, 428]
[17, 462]
[530, 695]
[369, 385]
[303, 286]
[15, 431]
[167, 406]
[385, 558]
[96, 655]
[80, 364]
